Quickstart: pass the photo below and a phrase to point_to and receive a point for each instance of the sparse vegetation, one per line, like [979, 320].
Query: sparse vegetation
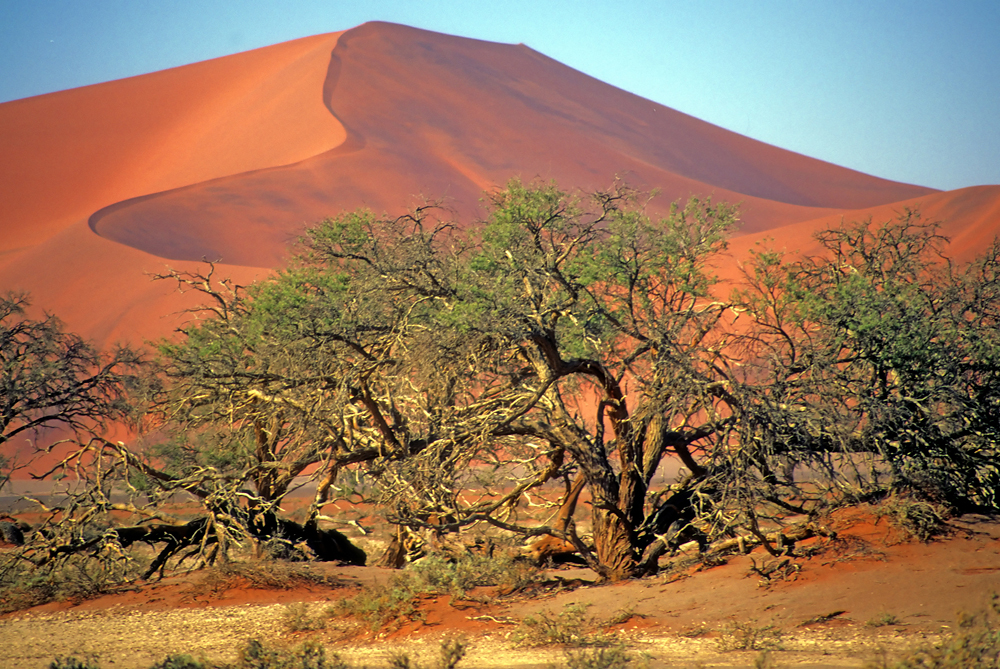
[183, 661]
[396, 602]
[451, 653]
[73, 663]
[73, 579]
[269, 574]
[883, 619]
[975, 645]
[300, 617]
[570, 627]
[919, 519]
[749, 636]
[611, 657]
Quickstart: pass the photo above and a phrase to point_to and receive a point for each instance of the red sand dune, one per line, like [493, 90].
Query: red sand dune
[230, 157]
[968, 217]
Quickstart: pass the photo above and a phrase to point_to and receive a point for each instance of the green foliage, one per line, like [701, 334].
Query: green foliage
[308, 655]
[52, 378]
[612, 657]
[397, 601]
[570, 627]
[74, 663]
[749, 636]
[881, 347]
[300, 618]
[182, 661]
[452, 651]
[883, 619]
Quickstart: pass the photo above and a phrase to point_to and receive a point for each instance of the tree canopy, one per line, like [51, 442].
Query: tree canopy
[457, 369]
[467, 366]
[51, 378]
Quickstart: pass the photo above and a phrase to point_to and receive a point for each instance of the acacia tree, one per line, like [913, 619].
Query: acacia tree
[568, 334]
[55, 389]
[51, 378]
[54, 379]
[430, 353]
[883, 358]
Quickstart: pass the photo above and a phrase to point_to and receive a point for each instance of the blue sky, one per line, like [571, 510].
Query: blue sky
[904, 90]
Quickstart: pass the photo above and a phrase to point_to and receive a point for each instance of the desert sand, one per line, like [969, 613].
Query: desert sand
[227, 159]
[848, 599]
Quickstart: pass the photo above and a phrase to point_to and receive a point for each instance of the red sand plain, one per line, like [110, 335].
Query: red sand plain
[866, 589]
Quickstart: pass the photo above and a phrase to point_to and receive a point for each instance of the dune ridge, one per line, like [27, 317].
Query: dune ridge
[968, 217]
[434, 115]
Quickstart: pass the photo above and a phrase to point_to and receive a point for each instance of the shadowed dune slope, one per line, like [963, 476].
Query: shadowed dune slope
[433, 115]
[67, 154]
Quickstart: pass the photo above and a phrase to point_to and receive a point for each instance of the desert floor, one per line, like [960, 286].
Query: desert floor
[838, 604]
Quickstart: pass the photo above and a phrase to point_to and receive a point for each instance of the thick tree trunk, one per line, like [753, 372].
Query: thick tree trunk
[613, 544]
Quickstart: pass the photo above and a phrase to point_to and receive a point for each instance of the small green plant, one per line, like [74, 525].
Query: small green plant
[300, 618]
[452, 652]
[397, 601]
[883, 619]
[380, 605]
[183, 661]
[749, 636]
[975, 645]
[74, 663]
[309, 655]
[609, 657]
[570, 627]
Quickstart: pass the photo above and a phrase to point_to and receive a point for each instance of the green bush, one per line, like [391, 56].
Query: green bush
[570, 627]
[299, 618]
[452, 652]
[73, 663]
[396, 601]
[309, 655]
[749, 636]
[183, 661]
[611, 657]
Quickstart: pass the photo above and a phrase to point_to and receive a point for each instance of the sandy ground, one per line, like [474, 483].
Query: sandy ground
[867, 575]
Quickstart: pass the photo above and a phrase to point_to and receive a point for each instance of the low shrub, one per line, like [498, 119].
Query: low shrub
[883, 620]
[610, 657]
[265, 574]
[749, 636]
[397, 601]
[975, 645]
[73, 663]
[570, 627]
[452, 652]
[299, 617]
[75, 579]
[917, 519]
